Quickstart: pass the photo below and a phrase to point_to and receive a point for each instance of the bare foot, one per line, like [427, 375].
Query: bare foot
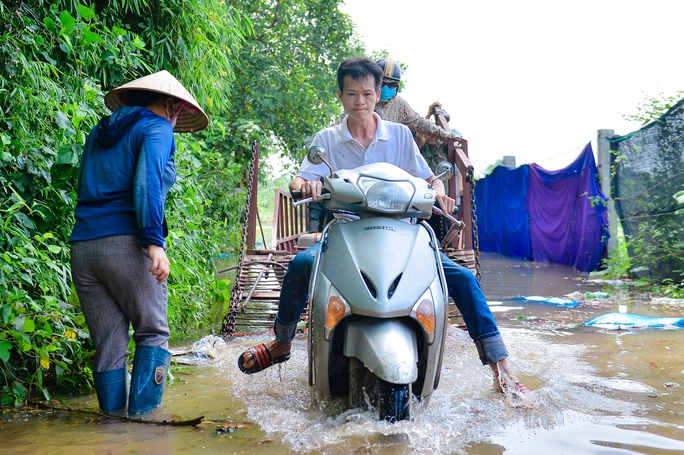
[500, 382]
[276, 349]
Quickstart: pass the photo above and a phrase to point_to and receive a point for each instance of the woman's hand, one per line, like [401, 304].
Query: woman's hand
[160, 263]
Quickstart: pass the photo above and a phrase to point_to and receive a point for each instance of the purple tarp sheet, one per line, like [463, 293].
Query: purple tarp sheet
[545, 215]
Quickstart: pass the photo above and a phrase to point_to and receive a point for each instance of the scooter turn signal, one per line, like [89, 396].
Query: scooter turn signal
[337, 310]
[425, 314]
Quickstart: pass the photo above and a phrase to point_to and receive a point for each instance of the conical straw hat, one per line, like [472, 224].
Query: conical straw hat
[163, 82]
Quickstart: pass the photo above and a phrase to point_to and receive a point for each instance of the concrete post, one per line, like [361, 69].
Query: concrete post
[603, 159]
[508, 161]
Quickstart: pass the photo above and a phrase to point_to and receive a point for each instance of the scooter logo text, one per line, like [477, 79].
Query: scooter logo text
[384, 228]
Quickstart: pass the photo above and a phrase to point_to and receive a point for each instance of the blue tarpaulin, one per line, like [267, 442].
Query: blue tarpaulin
[547, 216]
[502, 220]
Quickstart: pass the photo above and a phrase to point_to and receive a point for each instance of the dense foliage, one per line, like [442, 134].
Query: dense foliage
[262, 69]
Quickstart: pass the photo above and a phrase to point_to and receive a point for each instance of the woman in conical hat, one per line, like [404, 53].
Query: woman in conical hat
[118, 258]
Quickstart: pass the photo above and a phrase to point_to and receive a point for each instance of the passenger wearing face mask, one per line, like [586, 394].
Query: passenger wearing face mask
[394, 108]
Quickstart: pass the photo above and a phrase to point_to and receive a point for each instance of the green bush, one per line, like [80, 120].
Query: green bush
[49, 103]
[272, 81]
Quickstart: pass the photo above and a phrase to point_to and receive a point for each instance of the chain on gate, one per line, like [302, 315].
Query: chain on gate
[473, 217]
[228, 324]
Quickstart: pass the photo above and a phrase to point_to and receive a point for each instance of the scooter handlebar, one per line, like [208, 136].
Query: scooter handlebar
[458, 224]
[322, 197]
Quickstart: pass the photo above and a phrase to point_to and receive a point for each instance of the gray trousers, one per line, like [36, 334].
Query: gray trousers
[116, 289]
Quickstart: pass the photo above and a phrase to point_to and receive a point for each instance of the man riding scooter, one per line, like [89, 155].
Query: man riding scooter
[364, 138]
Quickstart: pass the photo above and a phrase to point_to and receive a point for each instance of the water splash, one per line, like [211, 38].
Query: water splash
[464, 408]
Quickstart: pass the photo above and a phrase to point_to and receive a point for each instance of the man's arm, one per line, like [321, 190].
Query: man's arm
[445, 203]
[416, 123]
[431, 109]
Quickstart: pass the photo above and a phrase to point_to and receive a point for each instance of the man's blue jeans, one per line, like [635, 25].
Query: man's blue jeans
[462, 285]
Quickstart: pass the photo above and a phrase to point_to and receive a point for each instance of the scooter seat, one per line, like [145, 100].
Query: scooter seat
[307, 240]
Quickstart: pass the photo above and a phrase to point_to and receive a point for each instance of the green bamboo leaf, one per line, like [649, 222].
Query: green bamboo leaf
[66, 46]
[679, 196]
[24, 220]
[92, 37]
[67, 20]
[5, 348]
[50, 60]
[67, 155]
[118, 31]
[63, 121]
[47, 328]
[85, 12]
[109, 56]
[49, 24]
[18, 389]
[140, 44]
[29, 325]
[6, 313]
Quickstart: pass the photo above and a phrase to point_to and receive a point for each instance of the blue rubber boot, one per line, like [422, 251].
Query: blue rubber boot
[110, 387]
[150, 366]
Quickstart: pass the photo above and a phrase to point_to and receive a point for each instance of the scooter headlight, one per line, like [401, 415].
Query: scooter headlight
[385, 196]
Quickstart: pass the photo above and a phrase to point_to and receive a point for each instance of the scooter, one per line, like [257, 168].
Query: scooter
[378, 304]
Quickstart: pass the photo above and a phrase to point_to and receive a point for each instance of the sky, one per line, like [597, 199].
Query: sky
[534, 79]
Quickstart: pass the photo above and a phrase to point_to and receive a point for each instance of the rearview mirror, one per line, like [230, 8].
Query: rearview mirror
[316, 155]
[444, 171]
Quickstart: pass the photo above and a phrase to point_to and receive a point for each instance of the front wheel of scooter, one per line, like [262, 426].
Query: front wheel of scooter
[394, 401]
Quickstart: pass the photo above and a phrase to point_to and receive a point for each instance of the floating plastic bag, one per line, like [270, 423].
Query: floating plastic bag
[206, 347]
[557, 301]
[631, 320]
[203, 349]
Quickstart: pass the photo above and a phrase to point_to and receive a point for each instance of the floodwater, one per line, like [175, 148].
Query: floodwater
[595, 391]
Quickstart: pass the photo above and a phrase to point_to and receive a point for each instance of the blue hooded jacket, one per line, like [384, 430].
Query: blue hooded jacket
[126, 171]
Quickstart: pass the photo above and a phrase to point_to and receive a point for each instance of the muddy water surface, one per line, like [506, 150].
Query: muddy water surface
[596, 391]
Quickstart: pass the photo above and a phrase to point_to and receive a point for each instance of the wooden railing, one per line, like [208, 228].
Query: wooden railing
[289, 223]
[459, 185]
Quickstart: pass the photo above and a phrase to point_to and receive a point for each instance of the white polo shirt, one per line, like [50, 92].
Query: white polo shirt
[393, 143]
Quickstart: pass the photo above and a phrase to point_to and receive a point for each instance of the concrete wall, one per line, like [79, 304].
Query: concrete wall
[603, 162]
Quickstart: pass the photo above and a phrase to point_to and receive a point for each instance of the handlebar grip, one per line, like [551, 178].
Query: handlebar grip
[296, 194]
[459, 225]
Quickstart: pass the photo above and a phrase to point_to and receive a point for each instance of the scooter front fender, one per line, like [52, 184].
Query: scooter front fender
[387, 347]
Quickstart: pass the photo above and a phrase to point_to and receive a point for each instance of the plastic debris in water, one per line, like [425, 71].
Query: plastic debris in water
[631, 320]
[550, 300]
[596, 295]
[666, 301]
